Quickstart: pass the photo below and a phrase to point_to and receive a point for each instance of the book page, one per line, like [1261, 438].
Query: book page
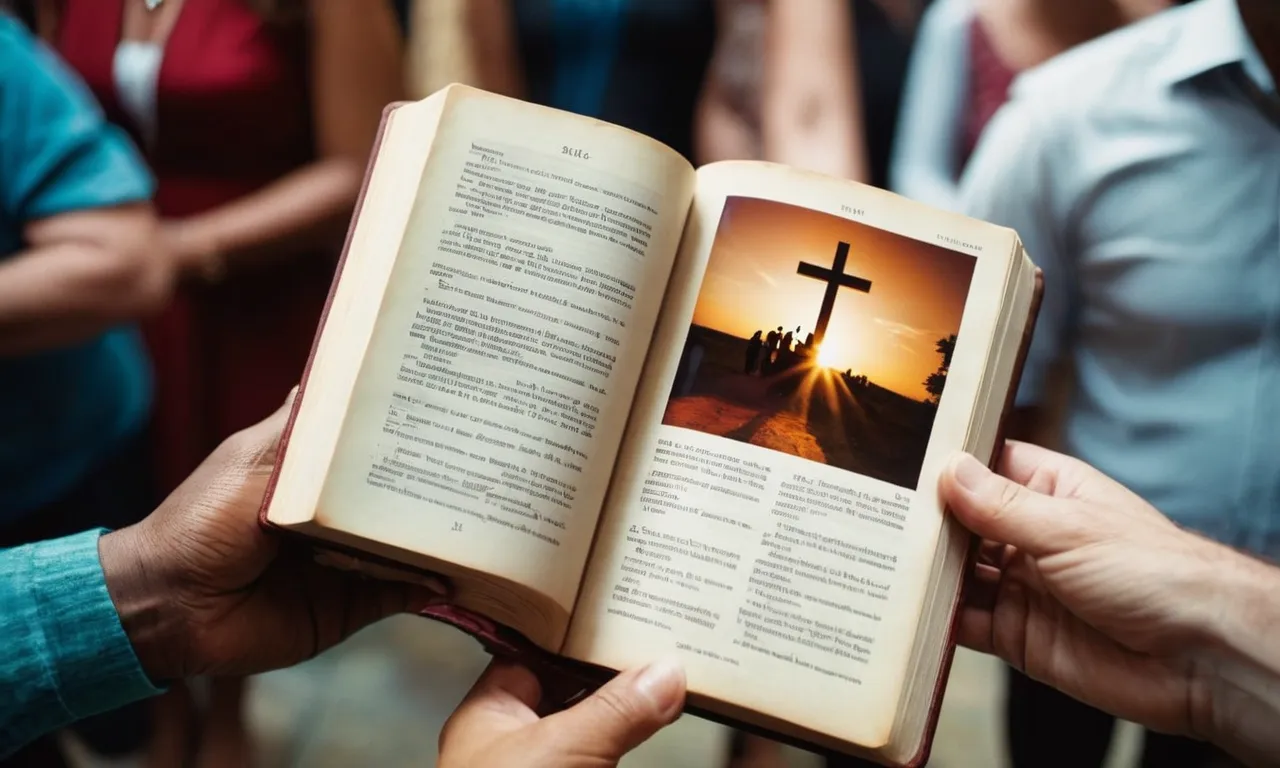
[774, 517]
[489, 407]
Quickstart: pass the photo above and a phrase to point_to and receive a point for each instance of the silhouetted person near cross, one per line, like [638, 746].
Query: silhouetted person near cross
[771, 351]
[753, 353]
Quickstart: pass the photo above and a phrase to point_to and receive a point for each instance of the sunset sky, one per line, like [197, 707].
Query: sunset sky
[917, 292]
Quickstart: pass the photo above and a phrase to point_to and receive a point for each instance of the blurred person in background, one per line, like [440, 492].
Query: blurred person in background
[642, 64]
[78, 265]
[636, 63]
[885, 33]
[965, 59]
[257, 118]
[1142, 171]
[751, 107]
[783, 85]
[439, 49]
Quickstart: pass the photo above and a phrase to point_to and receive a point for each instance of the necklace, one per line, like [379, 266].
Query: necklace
[152, 4]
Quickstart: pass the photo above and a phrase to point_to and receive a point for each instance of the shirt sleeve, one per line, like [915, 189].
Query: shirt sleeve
[64, 654]
[924, 163]
[1011, 181]
[58, 153]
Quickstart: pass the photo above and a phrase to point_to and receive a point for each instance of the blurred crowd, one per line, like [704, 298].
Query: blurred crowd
[176, 177]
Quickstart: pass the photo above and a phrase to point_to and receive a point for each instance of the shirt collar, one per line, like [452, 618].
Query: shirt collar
[1212, 35]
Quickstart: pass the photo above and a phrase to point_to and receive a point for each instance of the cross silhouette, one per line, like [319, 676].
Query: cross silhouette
[835, 279]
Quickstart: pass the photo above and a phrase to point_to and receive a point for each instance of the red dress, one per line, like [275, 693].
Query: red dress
[989, 82]
[233, 113]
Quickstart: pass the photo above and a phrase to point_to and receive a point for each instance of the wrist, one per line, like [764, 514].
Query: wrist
[1236, 678]
[197, 254]
[1240, 619]
[148, 609]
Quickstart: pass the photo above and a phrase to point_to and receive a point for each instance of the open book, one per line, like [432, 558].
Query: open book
[628, 407]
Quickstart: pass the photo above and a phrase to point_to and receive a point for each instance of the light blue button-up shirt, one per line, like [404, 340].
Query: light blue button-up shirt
[926, 148]
[1146, 183]
[63, 653]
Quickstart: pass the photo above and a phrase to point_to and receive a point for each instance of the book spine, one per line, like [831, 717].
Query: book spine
[1002, 431]
[324, 316]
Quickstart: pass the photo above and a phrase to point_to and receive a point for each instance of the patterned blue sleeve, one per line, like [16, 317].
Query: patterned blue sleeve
[63, 654]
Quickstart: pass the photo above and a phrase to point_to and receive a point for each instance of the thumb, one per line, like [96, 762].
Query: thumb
[617, 718]
[1005, 512]
[260, 443]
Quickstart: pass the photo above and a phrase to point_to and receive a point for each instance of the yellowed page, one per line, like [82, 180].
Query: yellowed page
[767, 525]
[489, 407]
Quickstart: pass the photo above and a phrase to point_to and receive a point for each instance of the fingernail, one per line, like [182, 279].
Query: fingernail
[968, 471]
[662, 683]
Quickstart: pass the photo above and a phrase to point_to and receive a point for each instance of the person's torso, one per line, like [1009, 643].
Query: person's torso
[232, 101]
[63, 409]
[637, 63]
[1176, 244]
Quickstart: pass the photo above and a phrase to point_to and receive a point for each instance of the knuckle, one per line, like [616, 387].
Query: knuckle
[234, 448]
[446, 735]
[246, 446]
[615, 706]
[1010, 498]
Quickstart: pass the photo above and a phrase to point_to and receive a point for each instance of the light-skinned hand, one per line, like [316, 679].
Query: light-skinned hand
[1084, 586]
[496, 726]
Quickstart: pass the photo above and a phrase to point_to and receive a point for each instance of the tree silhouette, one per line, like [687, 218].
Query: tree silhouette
[946, 347]
[935, 383]
[937, 380]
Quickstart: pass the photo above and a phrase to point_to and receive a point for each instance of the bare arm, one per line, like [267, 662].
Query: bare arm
[493, 47]
[82, 272]
[356, 69]
[721, 131]
[1243, 664]
[812, 108]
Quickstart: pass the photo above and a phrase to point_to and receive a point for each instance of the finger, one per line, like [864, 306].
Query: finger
[1006, 512]
[973, 630]
[981, 587]
[1053, 474]
[340, 603]
[618, 717]
[505, 684]
[366, 600]
[1032, 465]
[993, 553]
[434, 585]
[501, 701]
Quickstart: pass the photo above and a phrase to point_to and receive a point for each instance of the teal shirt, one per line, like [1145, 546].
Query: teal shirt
[63, 654]
[62, 410]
